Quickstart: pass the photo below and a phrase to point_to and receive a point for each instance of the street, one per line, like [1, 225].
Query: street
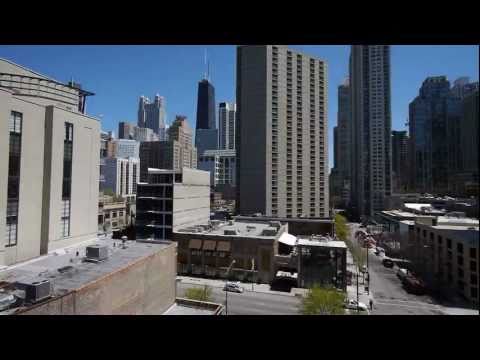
[390, 298]
[249, 302]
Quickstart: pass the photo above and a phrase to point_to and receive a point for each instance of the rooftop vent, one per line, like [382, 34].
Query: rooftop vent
[36, 290]
[96, 253]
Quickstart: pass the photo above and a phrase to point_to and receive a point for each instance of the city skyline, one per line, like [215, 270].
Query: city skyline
[119, 84]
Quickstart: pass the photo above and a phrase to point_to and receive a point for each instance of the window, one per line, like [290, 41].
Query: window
[473, 279]
[473, 266]
[460, 247]
[120, 213]
[473, 253]
[439, 239]
[474, 292]
[67, 179]
[460, 273]
[449, 243]
[460, 260]
[15, 147]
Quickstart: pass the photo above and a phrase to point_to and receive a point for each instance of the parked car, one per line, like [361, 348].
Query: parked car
[402, 274]
[233, 287]
[388, 263]
[353, 305]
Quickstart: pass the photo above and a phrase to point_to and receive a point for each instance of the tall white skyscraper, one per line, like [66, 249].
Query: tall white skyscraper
[226, 123]
[371, 130]
[282, 161]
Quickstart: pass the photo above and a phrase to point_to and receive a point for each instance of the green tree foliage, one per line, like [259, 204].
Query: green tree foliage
[343, 233]
[323, 301]
[199, 294]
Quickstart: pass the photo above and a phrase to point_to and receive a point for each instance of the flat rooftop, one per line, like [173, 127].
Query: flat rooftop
[242, 228]
[75, 272]
[193, 307]
[324, 242]
[284, 219]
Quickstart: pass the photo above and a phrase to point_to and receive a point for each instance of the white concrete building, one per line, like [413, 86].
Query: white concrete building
[226, 125]
[127, 148]
[49, 165]
[144, 134]
[171, 199]
[221, 164]
[122, 176]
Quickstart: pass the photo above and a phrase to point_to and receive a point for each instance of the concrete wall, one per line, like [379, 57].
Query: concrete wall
[145, 287]
[191, 204]
[41, 174]
[31, 177]
[85, 176]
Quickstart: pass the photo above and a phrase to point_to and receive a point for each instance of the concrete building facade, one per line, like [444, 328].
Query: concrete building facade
[152, 115]
[226, 125]
[49, 158]
[282, 166]
[176, 153]
[171, 199]
[400, 163]
[122, 176]
[126, 130]
[222, 166]
[126, 148]
[371, 128]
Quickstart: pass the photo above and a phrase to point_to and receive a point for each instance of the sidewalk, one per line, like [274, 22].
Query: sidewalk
[363, 297]
[218, 283]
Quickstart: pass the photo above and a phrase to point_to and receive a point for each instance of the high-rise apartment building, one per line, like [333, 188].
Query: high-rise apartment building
[226, 125]
[122, 176]
[152, 115]
[221, 164]
[344, 148]
[282, 164]
[144, 134]
[126, 148]
[400, 164]
[206, 133]
[49, 157]
[176, 153]
[371, 128]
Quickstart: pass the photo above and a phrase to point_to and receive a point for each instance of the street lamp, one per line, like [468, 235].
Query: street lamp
[226, 289]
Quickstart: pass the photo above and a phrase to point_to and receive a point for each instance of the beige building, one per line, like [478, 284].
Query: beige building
[171, 199]
[49, 165]
[176, 153]
[282, 158]
[445, 252]
[112, 214]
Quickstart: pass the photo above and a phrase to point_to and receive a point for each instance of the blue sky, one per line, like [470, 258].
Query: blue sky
[118, 75]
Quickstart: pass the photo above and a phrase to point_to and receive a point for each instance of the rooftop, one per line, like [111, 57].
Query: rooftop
[238, 228]
[69, 272]
[193, 307]
[320, 241]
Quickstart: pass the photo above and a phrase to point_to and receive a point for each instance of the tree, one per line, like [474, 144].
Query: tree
[341, 228]
[199, 294]
[342, 231]
[323, 301]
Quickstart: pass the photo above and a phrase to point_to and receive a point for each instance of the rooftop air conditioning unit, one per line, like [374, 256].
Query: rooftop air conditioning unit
[35, 290]
[97, 252]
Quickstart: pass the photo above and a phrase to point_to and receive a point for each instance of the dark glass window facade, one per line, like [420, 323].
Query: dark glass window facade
[67, 179]
[13, 192]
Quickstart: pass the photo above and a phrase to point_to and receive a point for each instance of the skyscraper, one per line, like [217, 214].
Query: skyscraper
[176, 153]
[282, 167]
[400, 164]
[344, 148]
[206, 134]
[152, 115]
[226, 123]
[126, 130]
[371, 128]
[434, 127]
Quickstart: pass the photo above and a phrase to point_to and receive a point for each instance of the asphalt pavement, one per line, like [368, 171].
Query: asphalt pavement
[389, 296]
[250, 302]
